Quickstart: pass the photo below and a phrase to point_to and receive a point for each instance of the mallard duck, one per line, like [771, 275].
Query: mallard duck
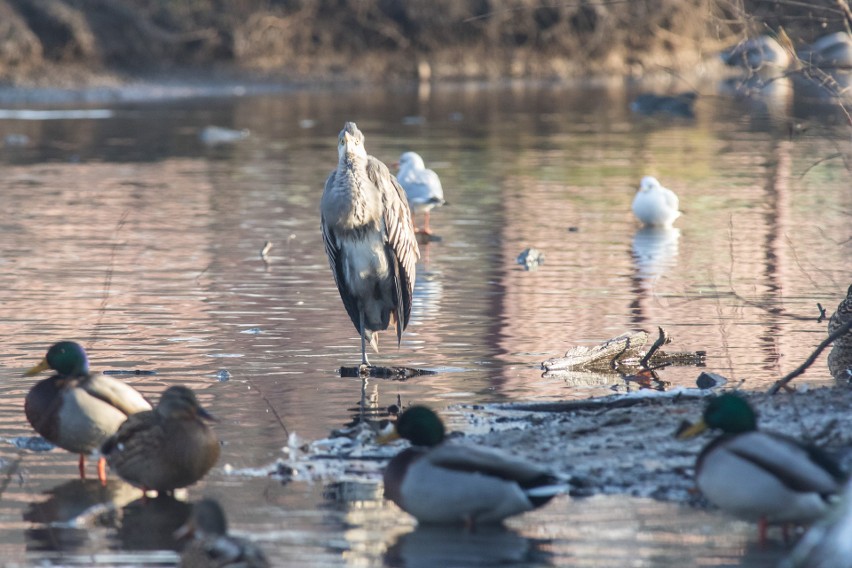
[165, 448]
[212, 546]
[77, 410]
[422, 187]
[454, 483]
[758, 475]
[826, 544]
[655, 205]
[760, 55]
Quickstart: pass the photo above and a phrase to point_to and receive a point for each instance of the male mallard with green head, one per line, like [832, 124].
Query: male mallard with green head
[758, 475]
[166, 448]
[455, 483]
[75, 409]
[212, 546]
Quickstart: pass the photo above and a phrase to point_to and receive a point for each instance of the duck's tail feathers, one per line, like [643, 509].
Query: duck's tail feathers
[541, 494]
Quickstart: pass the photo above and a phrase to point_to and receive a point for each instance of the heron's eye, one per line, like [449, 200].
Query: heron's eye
[342, 142]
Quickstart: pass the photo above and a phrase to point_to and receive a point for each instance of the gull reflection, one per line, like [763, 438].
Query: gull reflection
[430, 546]
[655, 251]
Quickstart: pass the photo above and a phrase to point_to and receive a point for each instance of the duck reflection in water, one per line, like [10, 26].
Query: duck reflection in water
[150, 524]
[495, 545]
[72, 509]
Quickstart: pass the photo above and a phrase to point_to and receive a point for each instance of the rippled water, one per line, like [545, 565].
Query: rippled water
[122, 230]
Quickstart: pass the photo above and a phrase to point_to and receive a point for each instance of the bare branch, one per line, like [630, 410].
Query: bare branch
[782, 382]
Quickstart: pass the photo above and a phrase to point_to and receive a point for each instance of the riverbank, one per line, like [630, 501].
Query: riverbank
[101, 44]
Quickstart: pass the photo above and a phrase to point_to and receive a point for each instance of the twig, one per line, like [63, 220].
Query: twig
[818, 162]
[778, 311]
[822, 315]
[108, 276]
[662, 339]
[847, 13]
[782, 382]
[271, 408]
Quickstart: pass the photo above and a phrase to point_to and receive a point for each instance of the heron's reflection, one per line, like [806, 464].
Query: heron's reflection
[71, 509]
[430, 546]
[655, 250]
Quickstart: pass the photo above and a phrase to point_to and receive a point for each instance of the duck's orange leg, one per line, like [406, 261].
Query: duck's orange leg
[102, 476]
[762, 526]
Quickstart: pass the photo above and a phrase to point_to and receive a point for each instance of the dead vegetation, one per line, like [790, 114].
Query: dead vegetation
[325, 39]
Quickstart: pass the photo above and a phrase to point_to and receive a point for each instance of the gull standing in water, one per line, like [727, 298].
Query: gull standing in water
[655, 205]
[369, 240]
[422, 186]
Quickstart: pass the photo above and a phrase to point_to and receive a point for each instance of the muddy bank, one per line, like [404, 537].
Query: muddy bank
[73, 42]
[623, 444]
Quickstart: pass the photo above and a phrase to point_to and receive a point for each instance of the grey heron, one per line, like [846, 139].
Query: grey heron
[369, 240]
[422, 187]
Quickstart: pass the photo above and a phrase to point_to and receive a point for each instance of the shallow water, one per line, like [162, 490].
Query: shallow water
[126, 232]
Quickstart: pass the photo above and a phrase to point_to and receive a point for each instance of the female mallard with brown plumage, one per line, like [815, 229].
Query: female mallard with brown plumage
[761, 476]
[166, 448]
[456, 483]
[75, 409]
[212, 546]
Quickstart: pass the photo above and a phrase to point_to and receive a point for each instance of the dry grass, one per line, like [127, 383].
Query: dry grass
[318, 39]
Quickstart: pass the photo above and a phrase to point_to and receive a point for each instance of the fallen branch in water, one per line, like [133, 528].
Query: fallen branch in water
[782, 382]
[623, 355]
[662, 339]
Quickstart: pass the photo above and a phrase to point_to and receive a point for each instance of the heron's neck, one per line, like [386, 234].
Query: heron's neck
[360, 200]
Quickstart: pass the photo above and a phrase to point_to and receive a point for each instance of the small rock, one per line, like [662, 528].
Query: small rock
[531, 258]
[223, 375]
[32, 443]
[17, 140]
[707, 380]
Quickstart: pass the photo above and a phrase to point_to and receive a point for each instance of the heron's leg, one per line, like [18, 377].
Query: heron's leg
[81, 465]
[364, 361]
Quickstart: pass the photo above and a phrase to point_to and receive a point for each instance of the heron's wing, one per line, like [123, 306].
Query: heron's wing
[399, 232]
[332, 250]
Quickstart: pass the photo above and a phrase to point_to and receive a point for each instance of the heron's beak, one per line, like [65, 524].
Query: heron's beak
[692, 431]
[42, 366]
[349, 143]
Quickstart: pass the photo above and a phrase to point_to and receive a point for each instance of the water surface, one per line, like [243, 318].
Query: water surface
[122, 230]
